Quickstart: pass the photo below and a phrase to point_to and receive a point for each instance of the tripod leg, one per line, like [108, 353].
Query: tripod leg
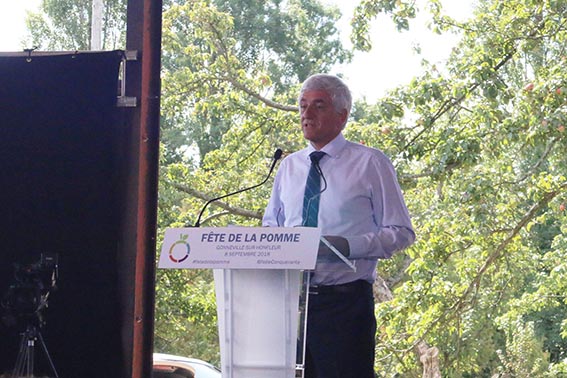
[40, 337]
[30, 356]
[22, 356]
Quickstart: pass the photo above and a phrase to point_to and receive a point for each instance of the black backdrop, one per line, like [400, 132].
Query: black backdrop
[60, 196]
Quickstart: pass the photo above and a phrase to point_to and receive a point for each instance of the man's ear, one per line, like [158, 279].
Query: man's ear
[344, 116]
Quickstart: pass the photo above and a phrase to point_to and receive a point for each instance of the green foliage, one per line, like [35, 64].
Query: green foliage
[66, 25]
[186, 314]
[223, 68]
[524, 357]
[229, 73]
[482, 161]
[288, 39]
[400, 11]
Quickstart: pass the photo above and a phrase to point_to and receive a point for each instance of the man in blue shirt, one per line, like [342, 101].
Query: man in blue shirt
[361, 212]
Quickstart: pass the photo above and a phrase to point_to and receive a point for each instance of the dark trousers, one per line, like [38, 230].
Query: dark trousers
[341, 328]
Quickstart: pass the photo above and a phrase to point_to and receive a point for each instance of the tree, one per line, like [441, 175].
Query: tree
[66, 25]
[482, 164]
[291, 39]
[227, 85]
[226, 59]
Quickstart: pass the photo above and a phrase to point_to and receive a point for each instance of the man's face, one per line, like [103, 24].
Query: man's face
[320, 122]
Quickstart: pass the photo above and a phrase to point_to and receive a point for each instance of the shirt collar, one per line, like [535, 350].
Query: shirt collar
[333, 148]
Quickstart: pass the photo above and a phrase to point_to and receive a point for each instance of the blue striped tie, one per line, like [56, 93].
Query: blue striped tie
[312, 191]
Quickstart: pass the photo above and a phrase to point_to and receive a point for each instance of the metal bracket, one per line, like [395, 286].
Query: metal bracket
[124, 101]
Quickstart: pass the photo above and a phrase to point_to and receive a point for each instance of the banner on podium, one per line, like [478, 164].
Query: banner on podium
[240, 248]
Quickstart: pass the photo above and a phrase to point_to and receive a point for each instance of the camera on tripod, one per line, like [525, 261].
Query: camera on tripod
[23, 304]
[29, 294]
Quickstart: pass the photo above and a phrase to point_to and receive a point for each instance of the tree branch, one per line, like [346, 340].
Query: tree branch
[223, 205]
[540, 161]
[502, 246]
[475, 283]
[265, 100]
[450, 103]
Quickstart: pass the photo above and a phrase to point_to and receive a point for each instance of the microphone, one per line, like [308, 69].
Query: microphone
[277, 156]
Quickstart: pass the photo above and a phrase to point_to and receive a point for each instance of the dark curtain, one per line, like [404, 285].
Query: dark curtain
[59, 197]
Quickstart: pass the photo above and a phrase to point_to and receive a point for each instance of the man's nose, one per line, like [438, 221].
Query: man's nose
[307, 111]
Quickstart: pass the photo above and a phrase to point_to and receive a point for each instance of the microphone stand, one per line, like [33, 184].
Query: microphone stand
[277, 156]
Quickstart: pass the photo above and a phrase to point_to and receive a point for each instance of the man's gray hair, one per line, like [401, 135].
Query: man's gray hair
[335, 88]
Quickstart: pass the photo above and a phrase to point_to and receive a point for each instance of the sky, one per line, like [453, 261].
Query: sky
[392, 61]
[12, 24]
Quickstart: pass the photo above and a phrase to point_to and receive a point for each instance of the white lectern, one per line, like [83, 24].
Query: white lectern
[258, 322]
[258, 287]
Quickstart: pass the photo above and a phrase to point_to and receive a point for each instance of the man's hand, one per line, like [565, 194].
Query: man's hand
[340, 244]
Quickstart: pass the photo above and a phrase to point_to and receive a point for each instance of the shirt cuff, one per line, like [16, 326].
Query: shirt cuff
[358, 247]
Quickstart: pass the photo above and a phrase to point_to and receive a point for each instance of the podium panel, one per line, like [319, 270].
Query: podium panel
[261, 284]
[257, 309]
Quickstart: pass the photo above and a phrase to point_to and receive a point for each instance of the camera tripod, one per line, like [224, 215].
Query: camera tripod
[25, 361]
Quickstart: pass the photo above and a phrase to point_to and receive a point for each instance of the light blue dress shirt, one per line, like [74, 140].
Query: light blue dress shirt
[362, 202]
